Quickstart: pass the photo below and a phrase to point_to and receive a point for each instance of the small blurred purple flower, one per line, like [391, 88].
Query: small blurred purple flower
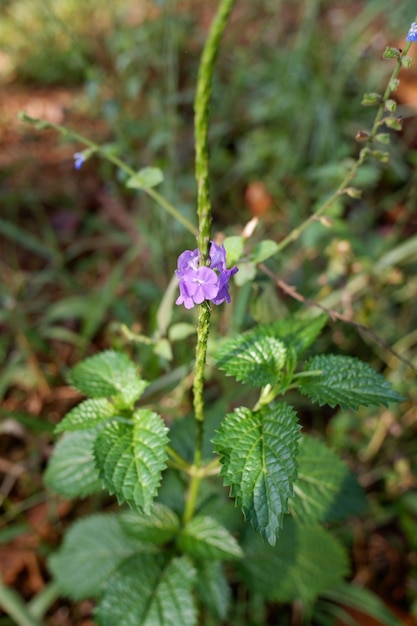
[199, 283]
[79, 160]
[412, 33]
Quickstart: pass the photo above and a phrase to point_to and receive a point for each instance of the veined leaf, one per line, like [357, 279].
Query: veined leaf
[92, 549]
[346, 381]
[213, 588]
[204, 538]
[148, 590]
[131, 457]
[71, 470]
[256, 357]
[306, 561]
[86, 415]
[326, 490]
[258, 451]
[159, 527]
[108, 374]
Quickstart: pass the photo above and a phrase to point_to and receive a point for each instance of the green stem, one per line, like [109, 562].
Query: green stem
[106, 154]
[201, 124]
[201, 111]
[177, 460]
[351, 174]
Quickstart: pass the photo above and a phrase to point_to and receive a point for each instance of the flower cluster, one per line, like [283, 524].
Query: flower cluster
[412, 33]
[198, 283]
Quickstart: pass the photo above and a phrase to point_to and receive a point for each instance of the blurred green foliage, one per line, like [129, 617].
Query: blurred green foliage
[286, 107]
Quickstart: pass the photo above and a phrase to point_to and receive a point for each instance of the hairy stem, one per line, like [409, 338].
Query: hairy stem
[201, 125]
[201, 112]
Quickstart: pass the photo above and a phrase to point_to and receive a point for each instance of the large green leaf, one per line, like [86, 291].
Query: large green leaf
[326, 490]
[256, 357]
[148, 590]
[87, 415]
[213, 589]
[258, 451]
[204, 538]
[346, 381]
[108, 374]
[306, 561]
[159, 527]
[131, 457]
[92, 549]
[71, 470]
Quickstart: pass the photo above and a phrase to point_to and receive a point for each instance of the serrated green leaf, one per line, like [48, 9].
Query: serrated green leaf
[71, 470]
[256, 357]
[86, 415]
[146, 178]
[213, 589]
[326, 490]
[92, 549]
[306, 561]
[108, 374]
[159, 527]
[346, 381]
[258, 451]
[204, 538]
[149, 591]
[131, 457]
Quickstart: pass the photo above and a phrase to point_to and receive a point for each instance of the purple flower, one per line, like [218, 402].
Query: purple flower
[188, 259]
[196, 286]
[223, 290]
[217, 257]
[79, 159]
[198, 283]
[412, 33]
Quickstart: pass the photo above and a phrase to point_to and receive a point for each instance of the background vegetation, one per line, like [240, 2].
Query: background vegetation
[85, 264]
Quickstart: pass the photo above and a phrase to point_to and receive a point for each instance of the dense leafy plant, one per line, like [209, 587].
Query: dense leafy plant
[176, 553]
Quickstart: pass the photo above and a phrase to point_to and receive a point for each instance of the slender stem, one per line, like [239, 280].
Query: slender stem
[14, 606]
[203, 327]
[177, 460]
[106, 154]
[201, 124]
[42, 602]
[201, 111]
[351, 174]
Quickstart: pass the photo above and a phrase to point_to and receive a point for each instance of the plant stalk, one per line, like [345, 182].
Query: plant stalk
[201, 125]
[167, 206]
[351, 173]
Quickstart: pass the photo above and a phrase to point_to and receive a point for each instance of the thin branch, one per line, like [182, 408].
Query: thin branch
[291, 291]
